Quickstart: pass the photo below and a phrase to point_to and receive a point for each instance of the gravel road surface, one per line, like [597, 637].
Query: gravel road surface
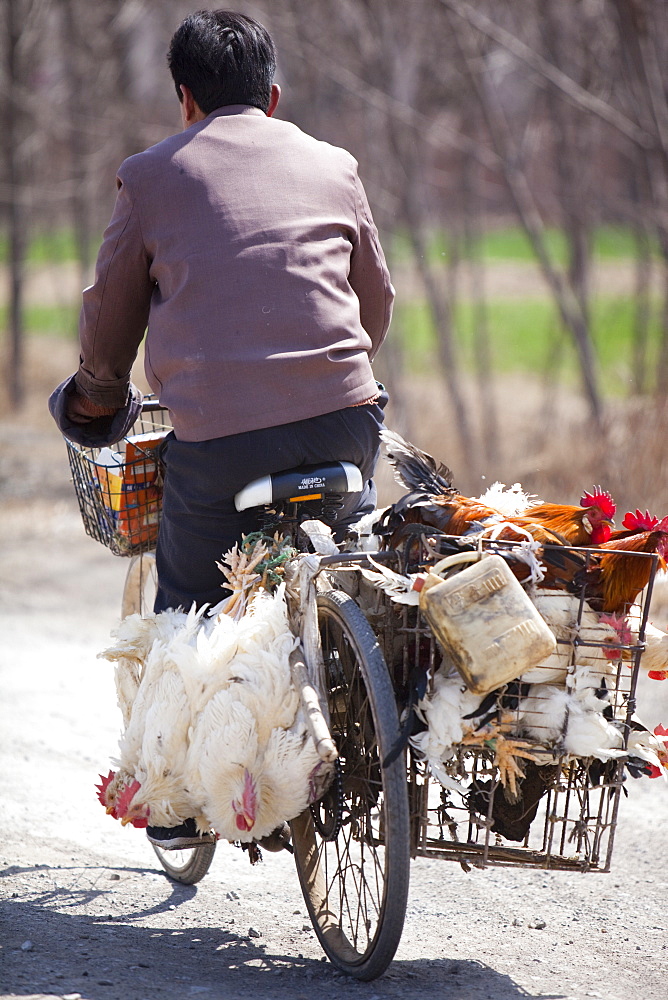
[86, 912]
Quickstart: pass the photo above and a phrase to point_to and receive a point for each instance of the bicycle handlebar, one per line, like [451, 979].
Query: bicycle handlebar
[151, 405]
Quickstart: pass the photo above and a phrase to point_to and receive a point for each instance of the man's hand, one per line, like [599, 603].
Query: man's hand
[81, 410]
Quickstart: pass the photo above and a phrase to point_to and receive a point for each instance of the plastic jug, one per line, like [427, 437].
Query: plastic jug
[484, 620]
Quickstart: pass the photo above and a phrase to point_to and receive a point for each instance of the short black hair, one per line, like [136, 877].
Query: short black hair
[223, 58]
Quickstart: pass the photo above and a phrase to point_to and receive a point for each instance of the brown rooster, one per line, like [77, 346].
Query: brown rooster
[589, 524]
[617, 572]
[632, 524]
[434, 501]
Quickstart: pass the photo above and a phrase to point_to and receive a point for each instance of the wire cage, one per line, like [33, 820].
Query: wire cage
[119, 489]
[510, 778]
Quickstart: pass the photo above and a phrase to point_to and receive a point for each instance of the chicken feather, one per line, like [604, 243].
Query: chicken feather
[215, 729]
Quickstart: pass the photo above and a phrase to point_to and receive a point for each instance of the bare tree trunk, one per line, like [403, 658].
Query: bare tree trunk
[643, 274]
[489, 436]
[390, 369]
[567, 303]
[440, 308]
[551, 378]
[78, 144]
[572, 161]
[409, 153]
[15, 374]
[662, 366]
[638, 25]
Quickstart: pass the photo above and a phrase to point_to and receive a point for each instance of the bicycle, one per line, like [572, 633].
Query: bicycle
[353, 846]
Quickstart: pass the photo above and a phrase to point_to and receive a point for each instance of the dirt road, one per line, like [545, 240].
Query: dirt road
[86, 912]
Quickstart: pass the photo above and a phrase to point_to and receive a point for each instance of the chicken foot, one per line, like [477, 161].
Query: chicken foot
[506, 753]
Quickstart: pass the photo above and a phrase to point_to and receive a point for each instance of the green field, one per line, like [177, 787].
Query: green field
[47, 321]
[502, 243]
[56, 246]
[511, 243]
[609, 243]
[526, 335]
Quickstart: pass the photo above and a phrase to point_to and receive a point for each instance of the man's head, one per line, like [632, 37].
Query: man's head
[223, 58]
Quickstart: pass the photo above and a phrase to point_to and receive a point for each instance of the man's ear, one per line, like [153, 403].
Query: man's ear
[274, 99]
[190, 110]
[187, 102]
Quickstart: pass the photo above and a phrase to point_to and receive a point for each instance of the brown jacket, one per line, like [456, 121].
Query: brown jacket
[249, 249]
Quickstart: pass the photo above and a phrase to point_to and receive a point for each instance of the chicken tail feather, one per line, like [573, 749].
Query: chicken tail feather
[414, 468]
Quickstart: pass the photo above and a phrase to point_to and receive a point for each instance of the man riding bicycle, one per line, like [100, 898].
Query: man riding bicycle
[246, 251]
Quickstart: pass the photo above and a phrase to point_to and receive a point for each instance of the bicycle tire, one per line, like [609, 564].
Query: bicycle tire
[191, 865]
[188, 866]
[355, 878]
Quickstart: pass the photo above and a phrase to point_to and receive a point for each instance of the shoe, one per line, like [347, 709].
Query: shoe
[177, 838]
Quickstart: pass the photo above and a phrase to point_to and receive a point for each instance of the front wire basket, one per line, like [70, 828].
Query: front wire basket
[563, 812]
[119, 489]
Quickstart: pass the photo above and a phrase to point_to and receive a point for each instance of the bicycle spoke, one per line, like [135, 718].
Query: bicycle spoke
[359, 896]
[357, 914]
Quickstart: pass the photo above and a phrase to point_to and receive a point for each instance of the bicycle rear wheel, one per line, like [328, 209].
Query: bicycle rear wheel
[192, 864]
[352, 847]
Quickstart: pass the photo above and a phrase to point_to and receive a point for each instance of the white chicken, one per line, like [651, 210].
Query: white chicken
[583, 639]
[542, 712]
[215, 730]
[572, 719]
[654, 659]
[134, 638]
[588, 732]
[452, 714]
[249, 777]
[443, 711]
[360, 536]
[153, 746]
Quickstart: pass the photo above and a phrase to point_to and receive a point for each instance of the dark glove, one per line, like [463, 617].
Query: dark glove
[93, 431]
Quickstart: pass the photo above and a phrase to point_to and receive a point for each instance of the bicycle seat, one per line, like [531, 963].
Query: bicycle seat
[307, 482]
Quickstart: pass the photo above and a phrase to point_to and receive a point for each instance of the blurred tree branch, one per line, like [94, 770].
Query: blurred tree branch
[572, 90]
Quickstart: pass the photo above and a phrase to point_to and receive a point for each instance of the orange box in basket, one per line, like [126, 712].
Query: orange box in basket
[109, 476]
[139, 507]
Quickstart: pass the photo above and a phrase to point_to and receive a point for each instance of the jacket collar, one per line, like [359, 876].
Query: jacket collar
[235, 109]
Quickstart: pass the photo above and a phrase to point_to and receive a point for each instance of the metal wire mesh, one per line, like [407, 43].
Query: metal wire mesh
[560, 810]
[119, 489]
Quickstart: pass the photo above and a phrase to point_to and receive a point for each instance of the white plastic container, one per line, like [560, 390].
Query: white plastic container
[485, 621]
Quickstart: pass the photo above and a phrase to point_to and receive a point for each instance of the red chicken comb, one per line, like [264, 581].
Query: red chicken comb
[661, 731]
[125, 806]
[640, 521]
[624, 634]
[620, 625]
[102, 788]
[599, 498]
[125, 798]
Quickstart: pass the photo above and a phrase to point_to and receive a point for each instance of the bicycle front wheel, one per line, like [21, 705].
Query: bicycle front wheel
[352, 847]
[141, 583]
[188, 866]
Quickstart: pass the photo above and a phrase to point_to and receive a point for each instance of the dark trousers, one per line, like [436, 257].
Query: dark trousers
[199, 521]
